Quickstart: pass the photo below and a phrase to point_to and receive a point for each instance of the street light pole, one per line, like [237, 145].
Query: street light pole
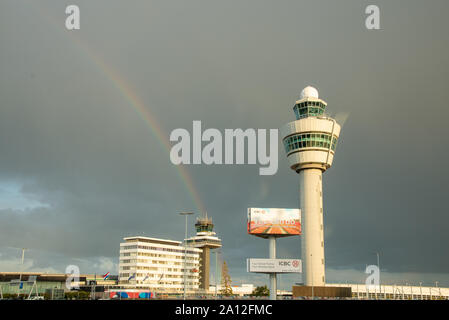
[23, 257]
[186, 214]
[378, 268]
[420, 289]
[406, 285]
[21, 270]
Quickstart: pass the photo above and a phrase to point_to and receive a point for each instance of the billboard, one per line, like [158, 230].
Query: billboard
[274, 265]
[265, 222]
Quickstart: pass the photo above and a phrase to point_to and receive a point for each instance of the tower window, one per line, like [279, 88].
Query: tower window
[296, 113]
[309, 108]
[319, 140]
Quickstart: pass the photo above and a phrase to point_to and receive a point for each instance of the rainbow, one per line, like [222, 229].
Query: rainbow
[134, 100]
[145, 114]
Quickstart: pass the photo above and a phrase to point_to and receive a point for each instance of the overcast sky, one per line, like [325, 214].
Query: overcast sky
[81, 166]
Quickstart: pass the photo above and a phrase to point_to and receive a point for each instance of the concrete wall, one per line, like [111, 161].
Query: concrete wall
[331, 292]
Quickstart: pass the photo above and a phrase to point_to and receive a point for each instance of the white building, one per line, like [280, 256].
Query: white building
[396, 292]
[158, 265]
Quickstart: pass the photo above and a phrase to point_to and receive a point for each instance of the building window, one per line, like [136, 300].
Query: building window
[307, 140]
[309, 109]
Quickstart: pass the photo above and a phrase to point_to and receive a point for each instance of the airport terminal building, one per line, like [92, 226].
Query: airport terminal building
[39, 283]
[159, 265]
[396, 292]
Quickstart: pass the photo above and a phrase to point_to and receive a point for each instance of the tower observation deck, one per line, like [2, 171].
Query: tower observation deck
[310, 142]
[205, 239]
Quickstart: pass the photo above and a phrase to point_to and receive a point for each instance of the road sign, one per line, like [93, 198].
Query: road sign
[274, 265]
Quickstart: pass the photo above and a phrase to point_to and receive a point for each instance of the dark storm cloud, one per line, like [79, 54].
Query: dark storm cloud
[72, 139]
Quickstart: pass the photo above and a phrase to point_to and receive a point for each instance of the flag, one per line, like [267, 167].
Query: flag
[146, 277]
[133, 276]
[105, 276]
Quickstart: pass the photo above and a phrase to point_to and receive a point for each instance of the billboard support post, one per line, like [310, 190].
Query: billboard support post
[273, 276]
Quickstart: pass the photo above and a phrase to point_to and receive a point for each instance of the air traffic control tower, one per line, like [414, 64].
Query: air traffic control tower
[205, 239]
[310, 143]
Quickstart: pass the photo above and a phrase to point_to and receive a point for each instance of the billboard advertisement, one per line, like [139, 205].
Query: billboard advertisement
[274, 265]
[265, 222]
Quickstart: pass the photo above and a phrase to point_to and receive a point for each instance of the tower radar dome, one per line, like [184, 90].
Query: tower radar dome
[309, 92]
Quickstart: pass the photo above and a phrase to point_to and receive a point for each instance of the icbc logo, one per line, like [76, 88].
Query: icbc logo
[295, 263]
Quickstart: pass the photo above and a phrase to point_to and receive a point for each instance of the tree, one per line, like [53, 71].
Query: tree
[226, 288]
[261, 291]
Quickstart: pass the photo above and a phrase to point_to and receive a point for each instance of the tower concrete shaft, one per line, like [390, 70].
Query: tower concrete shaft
[312, 240]
[205, 268]
[310, 143]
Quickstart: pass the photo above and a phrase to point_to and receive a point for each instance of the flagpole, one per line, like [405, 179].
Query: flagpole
[186, 214]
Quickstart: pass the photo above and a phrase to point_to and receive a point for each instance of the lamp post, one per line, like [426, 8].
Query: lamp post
[23, 257]
[436, 285]
[420, 289]
[378, 267]
[186, 214]
[406, 285]
[380, 286]
[21, 270]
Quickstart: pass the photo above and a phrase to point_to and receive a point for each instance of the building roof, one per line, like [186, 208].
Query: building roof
[397, 289]
[152, 240]
[41, 276]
